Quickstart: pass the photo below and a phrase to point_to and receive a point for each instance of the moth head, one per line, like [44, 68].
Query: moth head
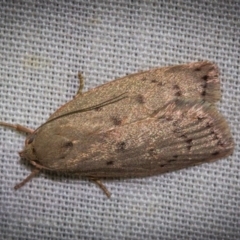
[46, 150]
[29, 152]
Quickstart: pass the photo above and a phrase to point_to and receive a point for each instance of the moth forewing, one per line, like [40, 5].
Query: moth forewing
[153, 89]
[143, 124]
[185, 133]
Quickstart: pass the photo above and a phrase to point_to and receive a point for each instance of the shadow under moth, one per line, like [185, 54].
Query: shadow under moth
[147, 123]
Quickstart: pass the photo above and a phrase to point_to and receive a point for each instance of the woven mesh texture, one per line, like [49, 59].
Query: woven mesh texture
[43, 44]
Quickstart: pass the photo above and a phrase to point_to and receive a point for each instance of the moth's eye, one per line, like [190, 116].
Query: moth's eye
[30, 139]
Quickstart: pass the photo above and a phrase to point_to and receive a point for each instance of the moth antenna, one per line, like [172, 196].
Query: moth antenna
[105, 103]
[17, 127]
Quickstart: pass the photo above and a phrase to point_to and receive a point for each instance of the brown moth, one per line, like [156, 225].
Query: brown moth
[143, 124]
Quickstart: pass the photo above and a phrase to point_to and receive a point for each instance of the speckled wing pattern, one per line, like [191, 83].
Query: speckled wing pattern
[165, 120]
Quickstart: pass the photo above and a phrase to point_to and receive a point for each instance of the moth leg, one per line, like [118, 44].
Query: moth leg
[102, 186]
[81, 84]
[17, 127]
[34, 173]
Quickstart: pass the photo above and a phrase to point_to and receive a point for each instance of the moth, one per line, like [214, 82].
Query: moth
[143, 124]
